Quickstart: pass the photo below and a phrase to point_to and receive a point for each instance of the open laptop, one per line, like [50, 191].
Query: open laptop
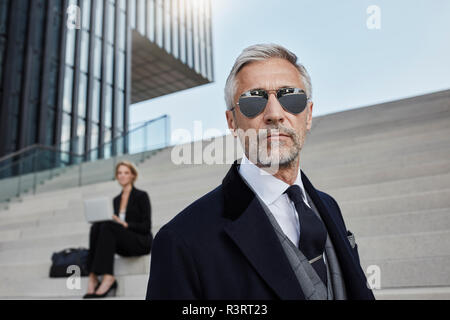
[98, 209]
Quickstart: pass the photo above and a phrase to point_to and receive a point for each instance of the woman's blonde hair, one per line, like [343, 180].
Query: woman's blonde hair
[130, 166]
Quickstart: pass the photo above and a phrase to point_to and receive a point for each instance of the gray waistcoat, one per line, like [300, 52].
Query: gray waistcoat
[312, 286]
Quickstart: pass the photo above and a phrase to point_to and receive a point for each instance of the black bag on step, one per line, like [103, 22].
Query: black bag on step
[62, 260]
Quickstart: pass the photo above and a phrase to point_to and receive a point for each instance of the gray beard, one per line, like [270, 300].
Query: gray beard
[279, 155]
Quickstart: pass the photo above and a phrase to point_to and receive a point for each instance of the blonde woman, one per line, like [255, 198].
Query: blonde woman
[128, 234]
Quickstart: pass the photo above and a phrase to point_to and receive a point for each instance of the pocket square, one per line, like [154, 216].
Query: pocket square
[351, 239]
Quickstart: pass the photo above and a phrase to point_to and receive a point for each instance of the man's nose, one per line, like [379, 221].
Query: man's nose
[273, 112]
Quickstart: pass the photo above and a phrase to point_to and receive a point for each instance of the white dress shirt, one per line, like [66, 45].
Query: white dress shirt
[271, 191]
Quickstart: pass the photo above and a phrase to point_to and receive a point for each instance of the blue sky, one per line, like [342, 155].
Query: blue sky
[350, 65]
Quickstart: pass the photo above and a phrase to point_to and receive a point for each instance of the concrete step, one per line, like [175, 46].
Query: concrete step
[400, 223]
[379, 132]
[404, 246]
[324, 182]
[359, 156]
[421, 200]
[56, 230]
[40, 205]
[400, 142]
[389, 114]
[437, 122]
[427, 293]
[37, 219]
[417, 272]
[38, 250]
[128, 285]
[415, 160]
[385, 189]
[40, 269]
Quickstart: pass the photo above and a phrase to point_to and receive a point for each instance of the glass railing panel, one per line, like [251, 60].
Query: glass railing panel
[34, 170]
[9, 187]
[155, 135]
[97, 171]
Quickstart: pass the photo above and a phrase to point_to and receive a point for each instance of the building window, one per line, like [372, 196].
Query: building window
[50, 127]
[86, 15]
[109, 63]
[84, 52]
[123, 4]
[96, 101]
[98, 58]
[159, 23]
[121, 30]
[2, 52]
[68, 86]
[70, 47]
[81, 132]
[65, 132]
[108, 106]
[107, 144]
[120, 107]
[99, 18]
[121, 70]
[93, 154]
[53, 82]
[3, 16]
[112, 21]
[82, 94]
[132, 13]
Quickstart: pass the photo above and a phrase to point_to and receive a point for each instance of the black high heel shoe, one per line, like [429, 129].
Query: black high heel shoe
[110, 293]
[91, 295]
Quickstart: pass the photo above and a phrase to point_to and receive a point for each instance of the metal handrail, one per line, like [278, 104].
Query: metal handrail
[39, 147]
[56, 149]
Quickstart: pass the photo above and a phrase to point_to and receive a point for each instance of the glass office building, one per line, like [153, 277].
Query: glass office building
[69, 69]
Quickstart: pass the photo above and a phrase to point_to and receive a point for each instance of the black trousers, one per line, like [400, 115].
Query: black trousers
[107, 238]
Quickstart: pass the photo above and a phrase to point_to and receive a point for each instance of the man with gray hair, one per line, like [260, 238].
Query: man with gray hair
[265, 232]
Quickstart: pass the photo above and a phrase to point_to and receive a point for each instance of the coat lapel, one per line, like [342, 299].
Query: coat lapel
[131, 198]
[117, 200]
[252, 232]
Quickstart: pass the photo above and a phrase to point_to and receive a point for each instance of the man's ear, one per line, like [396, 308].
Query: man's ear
[231, 121]
[309, 116]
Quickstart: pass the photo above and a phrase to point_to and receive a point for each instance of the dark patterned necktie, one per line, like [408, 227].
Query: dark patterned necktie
[313, 233]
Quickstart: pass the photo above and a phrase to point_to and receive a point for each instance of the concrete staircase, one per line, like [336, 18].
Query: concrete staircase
[388, 167]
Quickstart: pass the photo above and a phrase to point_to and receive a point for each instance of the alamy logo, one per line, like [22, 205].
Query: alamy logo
[73, 17]
[374, 19]
[374, 277]
[74, 281]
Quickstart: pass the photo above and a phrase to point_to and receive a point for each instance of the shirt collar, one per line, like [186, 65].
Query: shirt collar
[265, 185]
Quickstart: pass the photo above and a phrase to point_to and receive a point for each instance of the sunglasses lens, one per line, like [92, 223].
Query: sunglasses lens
[252, 106]
[294, 103]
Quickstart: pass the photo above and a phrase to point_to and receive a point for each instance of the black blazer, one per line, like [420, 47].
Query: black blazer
[138, 213]
[223, 247]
